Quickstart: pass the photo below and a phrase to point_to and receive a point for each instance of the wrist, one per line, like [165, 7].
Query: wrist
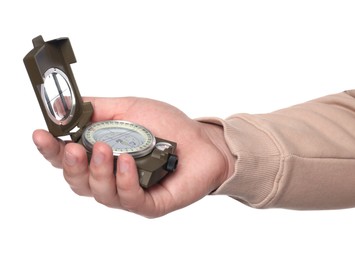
[215, 133]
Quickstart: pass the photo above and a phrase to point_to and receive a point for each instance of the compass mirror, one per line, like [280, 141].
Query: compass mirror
[57, 95]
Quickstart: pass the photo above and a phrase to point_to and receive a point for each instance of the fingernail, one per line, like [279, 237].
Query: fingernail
[37, 145]
[123, 166]
[69, 158]
[98, 158]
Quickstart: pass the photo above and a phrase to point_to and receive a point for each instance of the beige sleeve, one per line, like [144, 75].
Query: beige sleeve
[301, 157]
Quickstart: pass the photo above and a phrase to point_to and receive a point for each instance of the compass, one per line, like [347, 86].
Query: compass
[65, 113]
[122, 136]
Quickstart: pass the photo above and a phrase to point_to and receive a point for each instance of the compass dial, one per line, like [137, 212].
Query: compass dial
[122, 136]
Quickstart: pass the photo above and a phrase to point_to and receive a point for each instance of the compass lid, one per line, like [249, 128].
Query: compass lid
[48, 66]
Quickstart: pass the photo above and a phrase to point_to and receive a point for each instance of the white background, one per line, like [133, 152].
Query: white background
[209, 58]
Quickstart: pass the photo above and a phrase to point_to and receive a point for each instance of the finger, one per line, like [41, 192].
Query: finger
[75, 169]
[102, 180]
[131, 194]
[51, 148]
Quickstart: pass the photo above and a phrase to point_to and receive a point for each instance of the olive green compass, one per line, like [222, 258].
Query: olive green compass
[65, 113]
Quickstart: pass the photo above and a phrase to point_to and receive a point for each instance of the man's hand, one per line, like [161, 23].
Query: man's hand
[204, 159]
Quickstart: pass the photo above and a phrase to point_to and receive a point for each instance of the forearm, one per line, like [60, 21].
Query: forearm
[302, 157]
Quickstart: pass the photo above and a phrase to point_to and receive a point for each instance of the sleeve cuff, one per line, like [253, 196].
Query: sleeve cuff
[258, 161]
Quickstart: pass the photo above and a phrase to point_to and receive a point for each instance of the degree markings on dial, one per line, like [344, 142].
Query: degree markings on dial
[122, 136]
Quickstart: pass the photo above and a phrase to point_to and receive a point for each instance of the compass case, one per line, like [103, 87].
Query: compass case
[155, 166]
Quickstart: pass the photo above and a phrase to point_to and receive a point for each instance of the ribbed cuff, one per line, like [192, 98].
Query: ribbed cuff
[258, 161]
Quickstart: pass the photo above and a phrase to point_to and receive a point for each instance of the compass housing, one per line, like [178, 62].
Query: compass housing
[48, 66]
